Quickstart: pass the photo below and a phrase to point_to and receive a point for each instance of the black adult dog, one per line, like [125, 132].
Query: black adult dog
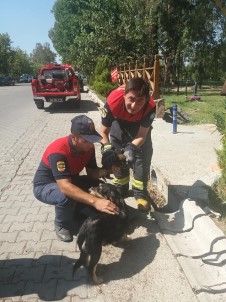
[101, 230]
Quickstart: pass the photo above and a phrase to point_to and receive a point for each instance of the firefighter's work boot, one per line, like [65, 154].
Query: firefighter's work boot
[143, 205]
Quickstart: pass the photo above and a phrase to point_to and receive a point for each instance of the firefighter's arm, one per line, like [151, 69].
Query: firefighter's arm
[104, 132]
[140, 137]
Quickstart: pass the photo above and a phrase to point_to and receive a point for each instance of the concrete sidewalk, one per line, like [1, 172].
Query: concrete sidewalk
[185, 165]
[185, 170]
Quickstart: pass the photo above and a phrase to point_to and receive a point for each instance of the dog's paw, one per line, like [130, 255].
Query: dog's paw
[125, 237]
[97, 280]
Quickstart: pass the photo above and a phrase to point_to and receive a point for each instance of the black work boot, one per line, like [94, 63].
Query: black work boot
[63, 234]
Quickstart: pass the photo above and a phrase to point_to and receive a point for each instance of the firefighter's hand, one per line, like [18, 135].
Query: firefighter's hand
[106, 147]
[129, 152]
[106, 206]
[109, 158]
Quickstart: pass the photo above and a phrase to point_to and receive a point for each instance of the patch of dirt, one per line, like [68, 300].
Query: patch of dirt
[155, 195]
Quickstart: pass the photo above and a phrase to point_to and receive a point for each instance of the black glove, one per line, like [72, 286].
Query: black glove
[109, 158]
[106, 147]
[130, 152]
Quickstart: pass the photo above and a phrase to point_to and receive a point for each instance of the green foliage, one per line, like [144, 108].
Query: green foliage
[184, 31]
[222, 158]
[20, 63]
[221, 126]
[220, 121]
[103, 88]
[15, 62]
[5, 53]
[42, 54]
[101, 78]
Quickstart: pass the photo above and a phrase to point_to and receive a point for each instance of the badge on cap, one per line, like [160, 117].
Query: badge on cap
[61, 166]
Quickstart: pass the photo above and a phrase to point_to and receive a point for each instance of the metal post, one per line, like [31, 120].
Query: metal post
[174, 118]
[195, 88]
[186, 89]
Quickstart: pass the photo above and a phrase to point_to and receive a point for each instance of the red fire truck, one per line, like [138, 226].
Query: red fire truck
[56, 83]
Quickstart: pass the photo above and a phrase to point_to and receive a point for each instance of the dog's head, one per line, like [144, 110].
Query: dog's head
[110, 192]
[112, 158]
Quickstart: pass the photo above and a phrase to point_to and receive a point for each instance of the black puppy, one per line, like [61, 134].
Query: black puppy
[101, 230]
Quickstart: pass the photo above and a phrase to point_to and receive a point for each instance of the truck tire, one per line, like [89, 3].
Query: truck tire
[39, 104]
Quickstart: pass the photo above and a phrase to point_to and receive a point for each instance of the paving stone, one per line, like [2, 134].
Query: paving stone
[48, 234]
[28, 210]
[23, 204]
[33, 217]
[47, 258]
[13, 259]
[29, 274]
[10, 211]
[58, 245]
[29, 236]
[24, 226]
[58, 272]
[15, 291]
[17, 247]
[4, 227]
[43, 226]
[14, 218]
[43, 246]
[10, 237]
[45, 291]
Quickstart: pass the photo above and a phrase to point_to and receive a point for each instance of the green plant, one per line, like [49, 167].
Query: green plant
[103, 88]
[102, 78]
[222, 159]
[220, 121]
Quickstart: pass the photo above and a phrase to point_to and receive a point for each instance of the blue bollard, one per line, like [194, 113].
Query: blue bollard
[174, 118]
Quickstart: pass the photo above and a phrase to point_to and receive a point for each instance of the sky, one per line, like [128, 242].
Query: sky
[27, 22]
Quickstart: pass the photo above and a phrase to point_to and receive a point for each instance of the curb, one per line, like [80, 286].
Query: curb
[197, 243]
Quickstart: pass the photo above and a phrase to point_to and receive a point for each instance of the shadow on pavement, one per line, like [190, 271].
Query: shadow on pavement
[51, 276]
[85, 107]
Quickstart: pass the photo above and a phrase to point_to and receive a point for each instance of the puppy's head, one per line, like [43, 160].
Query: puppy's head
[112, 158]
[108, 191]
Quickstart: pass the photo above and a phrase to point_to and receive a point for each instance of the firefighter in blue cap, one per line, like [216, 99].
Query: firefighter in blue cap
[57, 181]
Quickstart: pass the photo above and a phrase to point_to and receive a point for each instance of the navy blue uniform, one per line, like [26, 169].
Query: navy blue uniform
[124, 128]
[61, 161]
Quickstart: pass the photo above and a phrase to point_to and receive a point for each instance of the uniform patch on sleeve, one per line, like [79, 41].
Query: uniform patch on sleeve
[104, 112]
[61, 166]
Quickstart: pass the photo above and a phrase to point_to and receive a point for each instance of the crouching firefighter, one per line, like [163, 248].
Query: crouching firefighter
[127, 117]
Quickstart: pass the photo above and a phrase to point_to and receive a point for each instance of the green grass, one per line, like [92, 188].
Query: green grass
[200, 112]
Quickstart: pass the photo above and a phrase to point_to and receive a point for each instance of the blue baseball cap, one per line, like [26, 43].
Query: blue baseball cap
[83, 126]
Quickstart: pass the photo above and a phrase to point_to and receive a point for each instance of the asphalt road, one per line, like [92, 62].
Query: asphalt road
[34, 265]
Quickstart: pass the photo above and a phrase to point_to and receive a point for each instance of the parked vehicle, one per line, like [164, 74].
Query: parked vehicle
[80, 80]
[56, 83]
[7, 81]
[25, 78]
